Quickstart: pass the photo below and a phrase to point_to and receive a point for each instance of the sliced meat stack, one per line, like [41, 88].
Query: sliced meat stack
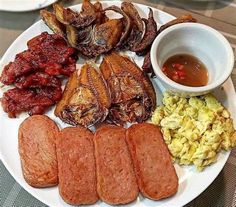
[113, 164]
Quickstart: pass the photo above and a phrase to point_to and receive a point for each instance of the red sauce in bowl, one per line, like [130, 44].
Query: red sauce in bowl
[186, 70]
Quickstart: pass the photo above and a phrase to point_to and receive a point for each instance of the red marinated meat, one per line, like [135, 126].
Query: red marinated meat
[35, 101]
[46, 52]
[37, 80]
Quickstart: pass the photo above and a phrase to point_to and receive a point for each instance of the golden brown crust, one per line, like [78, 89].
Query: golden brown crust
[37, 148]
[76, 166]
[154, 170]
[116, 182]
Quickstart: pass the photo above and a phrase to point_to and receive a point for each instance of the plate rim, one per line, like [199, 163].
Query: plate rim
[33, 8]
[26, 186]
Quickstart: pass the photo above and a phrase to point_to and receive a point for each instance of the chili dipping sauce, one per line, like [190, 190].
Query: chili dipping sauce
[186, 70]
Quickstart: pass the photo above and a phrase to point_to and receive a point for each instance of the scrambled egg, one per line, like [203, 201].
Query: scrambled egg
[195, 129]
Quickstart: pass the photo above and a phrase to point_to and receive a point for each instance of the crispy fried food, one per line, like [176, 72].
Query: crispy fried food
[132, 94]
[126, 21]
[68, 16]
[181, 19]
[37, 148]
[136, 24]
[86, 98]
[147, 66]
[104, 38]
[35, 101]
[52, 22]
[144, 45]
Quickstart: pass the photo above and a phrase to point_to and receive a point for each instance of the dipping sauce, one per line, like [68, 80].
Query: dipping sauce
[186, 70]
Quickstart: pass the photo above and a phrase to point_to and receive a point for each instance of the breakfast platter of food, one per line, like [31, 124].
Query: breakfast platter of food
[116, 103]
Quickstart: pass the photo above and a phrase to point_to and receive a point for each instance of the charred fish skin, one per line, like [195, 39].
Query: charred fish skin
[86, 99]
[132, 95]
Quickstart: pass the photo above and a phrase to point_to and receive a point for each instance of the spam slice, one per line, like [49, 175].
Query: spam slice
[37, 148]
[76, 166]
[154, 170]
[116, 182]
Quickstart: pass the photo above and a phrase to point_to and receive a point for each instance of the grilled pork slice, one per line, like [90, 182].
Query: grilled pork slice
[154, 170]
[85, 100]
[116, 182]
[76, 166]
[37, 148]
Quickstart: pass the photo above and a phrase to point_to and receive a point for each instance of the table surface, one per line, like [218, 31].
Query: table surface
[219, 14]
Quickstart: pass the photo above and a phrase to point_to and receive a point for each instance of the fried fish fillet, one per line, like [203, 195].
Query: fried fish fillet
[86, 98]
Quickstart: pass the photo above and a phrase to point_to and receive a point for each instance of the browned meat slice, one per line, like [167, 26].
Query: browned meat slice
[116, 182]
[144, 45]
[37, 148]
[154, 170]
[86, 99]
[76, 166]
[37, 80]
[132, 94]
[35, 101]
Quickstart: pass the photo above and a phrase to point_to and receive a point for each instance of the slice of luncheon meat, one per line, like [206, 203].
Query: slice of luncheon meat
[154, 170]
[76, 166]
[116, 182]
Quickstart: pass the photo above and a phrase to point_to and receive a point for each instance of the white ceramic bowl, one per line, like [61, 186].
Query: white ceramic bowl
[201, 41]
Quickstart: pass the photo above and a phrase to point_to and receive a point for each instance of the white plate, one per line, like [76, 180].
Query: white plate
[24, 5]
[191, 183]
